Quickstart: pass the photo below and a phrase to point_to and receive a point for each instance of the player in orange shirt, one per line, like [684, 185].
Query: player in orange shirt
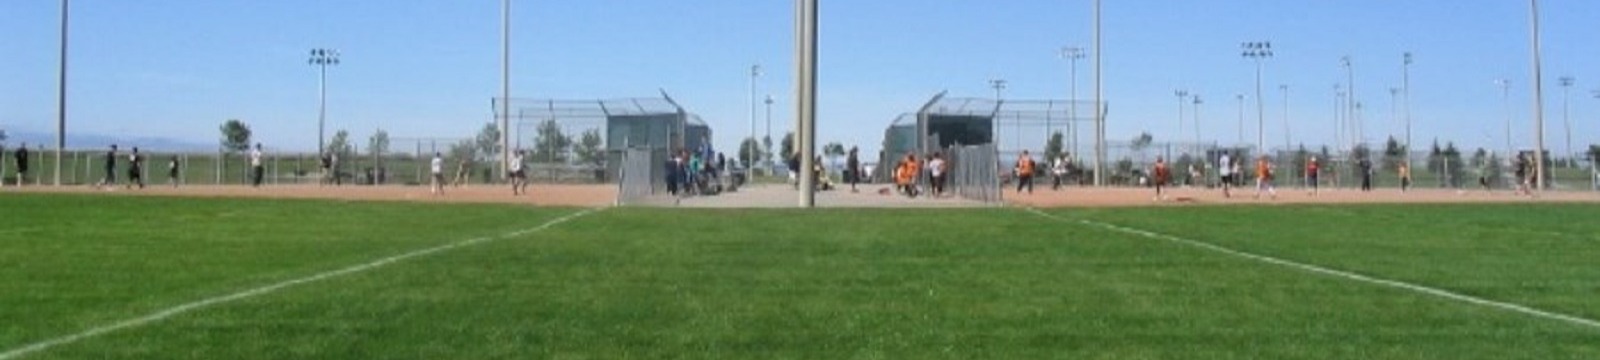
[1264, 177]
[1024, 172]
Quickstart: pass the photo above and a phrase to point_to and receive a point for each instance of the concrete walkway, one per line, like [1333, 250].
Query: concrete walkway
[784, 196]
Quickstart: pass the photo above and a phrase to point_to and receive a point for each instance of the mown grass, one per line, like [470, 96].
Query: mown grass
[845, 284]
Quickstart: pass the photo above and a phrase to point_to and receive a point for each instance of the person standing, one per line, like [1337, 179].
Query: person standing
[255, 166]
[135, 169]
[1024, 169]
[172, 171]
[1058, 170]
[1311, 175]
[1225, 171]
[1523, 177]
[22, 163]
[1405, 176]
[1162, 174]
[852, 169]
[936, 168]
[1366, 174]
[1264, 178]
[437, 167]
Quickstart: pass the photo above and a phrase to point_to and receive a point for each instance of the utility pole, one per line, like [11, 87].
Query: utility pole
[505, 86]
[1538, 99]
[61, 95]
[1072, 54]
[750, 156]
[1288, 144]
[1566, 112]
[1405, 84]
[1259, 51]
[807, 96]
[1099, 104]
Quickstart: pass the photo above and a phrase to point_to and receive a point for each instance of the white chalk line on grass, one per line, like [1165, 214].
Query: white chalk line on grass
[1525, 310]
[180, 309]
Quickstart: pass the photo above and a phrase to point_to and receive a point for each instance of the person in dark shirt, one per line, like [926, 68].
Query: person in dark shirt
[22, 163]
[172, 171]
[135, 169]
[110, 168]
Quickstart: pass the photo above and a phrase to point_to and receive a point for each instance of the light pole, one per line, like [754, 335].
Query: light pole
[1287, 142]
[1241, 117]
[1197, 103]
[1183, 96]
[767, 142]
[1394, 106]
[1072, 54]
[1566, 109]
[505, 87]
[806, 94]
[998, 85]
[1505, 100]
[61, 96]
[1350, 99]
[1258, 51]
[322, 59]
[1338, 117]
[1405, 85]
[750, 156]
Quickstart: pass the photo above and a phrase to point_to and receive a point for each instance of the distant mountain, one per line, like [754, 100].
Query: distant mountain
[96, 141]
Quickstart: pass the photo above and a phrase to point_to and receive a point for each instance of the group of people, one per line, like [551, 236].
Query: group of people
[135, 169]
[698, 172]
[910, 170]
[516, 173]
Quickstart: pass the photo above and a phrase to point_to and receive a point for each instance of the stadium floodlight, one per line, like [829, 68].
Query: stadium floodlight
[768, 140]
[1350, 100]
[322, 58]
[1072, 54]
[1258, 51]
[1405, 85]
[1197, 102]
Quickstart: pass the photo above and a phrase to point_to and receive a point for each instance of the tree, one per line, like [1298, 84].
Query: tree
[550, 145]
[463, 150]
[1594, 155]
[378, 143]
[1393, 154]
[833, 151]
[340, 144]
[1141, 142]
[487, 143]
[1052, 147]
[1452, 158]
[235, 136]
[788, 147]
[590, 148]
[766, 143]
[748, 149]
[1357, 154]
[1298, 162]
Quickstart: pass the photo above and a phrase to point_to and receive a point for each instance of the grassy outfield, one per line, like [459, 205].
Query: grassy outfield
[73, 262]
[916, 284]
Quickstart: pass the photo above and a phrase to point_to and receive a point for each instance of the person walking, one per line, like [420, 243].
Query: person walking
[1264, 178]
[852, 169]
[1058, 170]
[172, 171]
[22, 163]
[1024, 169]
[1312, 169]
[1225, 174]
[936, 168]
[110, 168]
[437, 170]
[256, 170]
[519, 176]
[1162, 175]
[135, 169]
[1523, 178]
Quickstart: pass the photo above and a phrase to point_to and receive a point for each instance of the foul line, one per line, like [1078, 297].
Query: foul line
[1525, 310]
[197, 305]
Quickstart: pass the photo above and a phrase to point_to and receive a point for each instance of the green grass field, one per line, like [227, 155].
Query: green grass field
[785, 284]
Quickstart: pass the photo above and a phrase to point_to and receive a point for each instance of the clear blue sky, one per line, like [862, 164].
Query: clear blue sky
[178, 68]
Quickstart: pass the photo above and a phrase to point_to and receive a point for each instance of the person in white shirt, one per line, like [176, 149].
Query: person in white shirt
[1058, 169]
[437, 166]
[937, 169]
[255, 166]
[1225, 168]
[519, 178]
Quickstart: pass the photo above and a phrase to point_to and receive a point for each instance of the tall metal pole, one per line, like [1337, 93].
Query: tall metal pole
[505, 86]
[1183, 97]
[322, 58]
[1241, 117]
[1073, 54]
[1394, 107]
[1259, 51]
[1287, 142]
[1338, 118]
[767, 142]
[1566, 112]
[1405, 84]
[750, 157]
[1099, 104]
[1197, 103]
[1505, 100]
[61, 96]
[807, 103]
[1538, 99]
[1350, 100]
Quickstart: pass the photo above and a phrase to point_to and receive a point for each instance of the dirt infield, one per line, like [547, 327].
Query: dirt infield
[1096, 197]
[604, 195]
[539, 195]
